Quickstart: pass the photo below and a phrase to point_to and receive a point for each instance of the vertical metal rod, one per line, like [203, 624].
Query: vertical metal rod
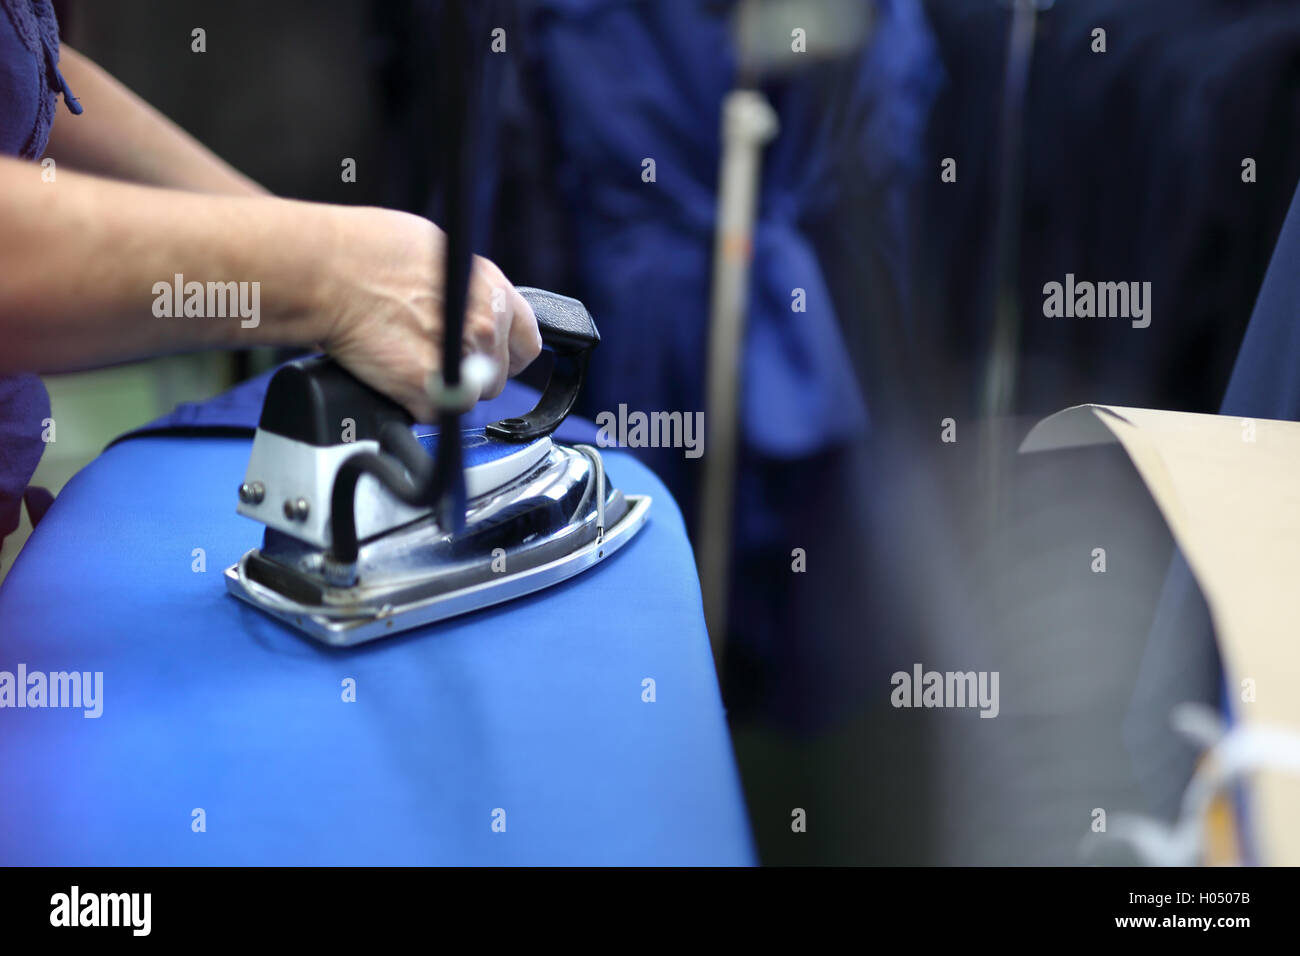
[455, 113]
[1001, 371]
[748, 122]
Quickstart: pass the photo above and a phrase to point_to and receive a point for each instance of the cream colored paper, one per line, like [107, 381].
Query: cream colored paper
[1230, 490]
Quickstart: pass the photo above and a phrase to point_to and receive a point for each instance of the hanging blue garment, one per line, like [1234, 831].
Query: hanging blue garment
[1265, 380]
[645, 248]
[619, 83]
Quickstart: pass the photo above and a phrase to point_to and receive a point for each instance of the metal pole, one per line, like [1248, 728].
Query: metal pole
[748, 123]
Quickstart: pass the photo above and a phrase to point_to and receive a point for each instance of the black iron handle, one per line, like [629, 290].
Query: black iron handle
[565, 323]
[569, 332]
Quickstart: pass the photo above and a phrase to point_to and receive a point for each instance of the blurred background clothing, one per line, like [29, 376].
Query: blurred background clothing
[1132, 170]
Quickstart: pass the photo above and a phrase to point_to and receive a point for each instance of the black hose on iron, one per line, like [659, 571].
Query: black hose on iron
[400, 453]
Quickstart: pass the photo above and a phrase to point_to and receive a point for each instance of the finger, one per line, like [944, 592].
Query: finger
[500, 370]
[478, 375]
[483, 330]
[485, 337]
[418, 395]
[498, 299]
[525, 339]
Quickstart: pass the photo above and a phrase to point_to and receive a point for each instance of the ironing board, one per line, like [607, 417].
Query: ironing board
[519, 734]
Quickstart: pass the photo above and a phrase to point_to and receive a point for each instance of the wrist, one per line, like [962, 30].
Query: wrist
[300, 261]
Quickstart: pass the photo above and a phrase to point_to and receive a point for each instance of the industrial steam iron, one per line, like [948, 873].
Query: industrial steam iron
[365, 537]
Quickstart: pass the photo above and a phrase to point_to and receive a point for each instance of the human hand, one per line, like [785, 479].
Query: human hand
[382, 305]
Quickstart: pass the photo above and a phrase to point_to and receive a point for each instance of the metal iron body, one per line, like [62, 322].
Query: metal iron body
[538, 512]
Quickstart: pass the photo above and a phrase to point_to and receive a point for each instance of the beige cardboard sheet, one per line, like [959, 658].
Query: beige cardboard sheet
[1230, 490]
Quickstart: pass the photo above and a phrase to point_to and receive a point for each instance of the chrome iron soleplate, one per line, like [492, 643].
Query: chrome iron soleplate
[391, 619]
